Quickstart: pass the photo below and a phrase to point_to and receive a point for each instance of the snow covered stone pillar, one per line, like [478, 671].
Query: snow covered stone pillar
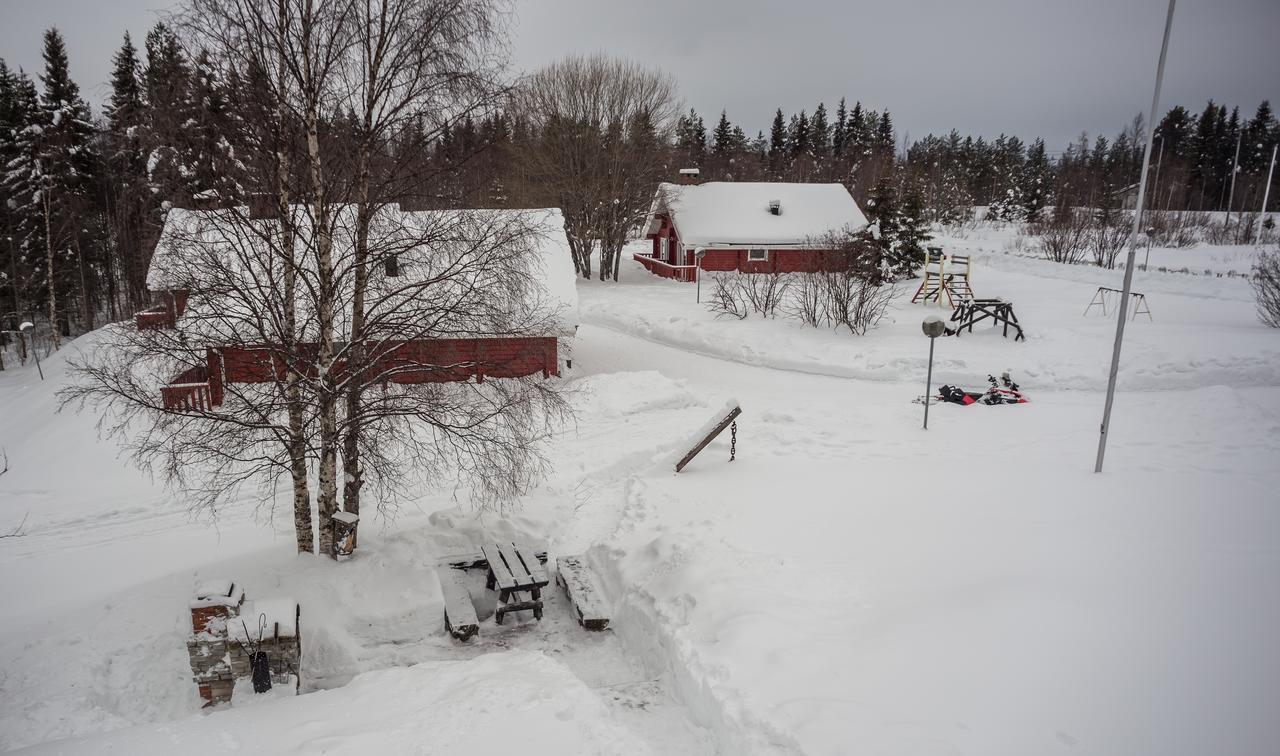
[215, 604]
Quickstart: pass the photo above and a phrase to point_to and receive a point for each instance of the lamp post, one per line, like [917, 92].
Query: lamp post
[933, 327]
[697, 271]
[27, 325]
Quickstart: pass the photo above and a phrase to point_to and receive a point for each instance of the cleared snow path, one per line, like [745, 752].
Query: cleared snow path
[852, 583]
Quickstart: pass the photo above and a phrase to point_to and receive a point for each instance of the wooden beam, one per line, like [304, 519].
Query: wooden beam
[725, 423]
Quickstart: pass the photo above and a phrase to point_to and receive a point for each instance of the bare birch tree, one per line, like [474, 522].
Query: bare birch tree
[417, 67]
[339, 293]
[598, 127]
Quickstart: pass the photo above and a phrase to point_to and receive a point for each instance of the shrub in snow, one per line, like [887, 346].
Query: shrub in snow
[1065, 238]
[726, 297]
[1266, 287]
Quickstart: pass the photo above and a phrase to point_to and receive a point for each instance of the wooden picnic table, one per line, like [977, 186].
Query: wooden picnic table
[512, 571]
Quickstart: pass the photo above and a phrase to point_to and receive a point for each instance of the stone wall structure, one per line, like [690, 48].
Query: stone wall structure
[226, 629]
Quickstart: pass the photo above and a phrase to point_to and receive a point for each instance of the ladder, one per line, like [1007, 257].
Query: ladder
[933, 287]
[957, 281]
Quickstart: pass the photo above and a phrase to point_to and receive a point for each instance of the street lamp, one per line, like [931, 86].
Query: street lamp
[27, 325]
[933, 327]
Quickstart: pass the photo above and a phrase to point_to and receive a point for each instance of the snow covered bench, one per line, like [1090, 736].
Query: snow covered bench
[459, 613]
[580, 587]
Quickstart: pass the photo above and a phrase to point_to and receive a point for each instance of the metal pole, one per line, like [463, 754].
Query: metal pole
[1266, 194]
[1133, 249]
[697, 274]
[1155, 185]
[928, 383]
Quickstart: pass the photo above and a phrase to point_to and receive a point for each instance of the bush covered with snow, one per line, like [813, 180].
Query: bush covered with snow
[1266, 286]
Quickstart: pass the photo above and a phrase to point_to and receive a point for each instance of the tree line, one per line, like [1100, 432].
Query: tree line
[83, 196]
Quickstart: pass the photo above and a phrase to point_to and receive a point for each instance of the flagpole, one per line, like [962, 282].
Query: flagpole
[1133, 247]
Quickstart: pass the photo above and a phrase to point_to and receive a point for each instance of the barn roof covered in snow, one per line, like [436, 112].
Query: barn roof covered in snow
[740, 214]
[518, 259]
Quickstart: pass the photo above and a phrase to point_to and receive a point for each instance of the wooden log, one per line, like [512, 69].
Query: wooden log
[579, 585]
[717, 430]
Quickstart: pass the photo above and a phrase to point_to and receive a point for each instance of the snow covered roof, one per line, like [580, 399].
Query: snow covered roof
[217, 593]
[738, 214]
[518, 260]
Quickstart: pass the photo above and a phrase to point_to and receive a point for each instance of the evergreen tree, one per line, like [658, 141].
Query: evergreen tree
[899, 230]
[691, 138]
[49, 181]
[855, 139]
[819, 133]
[885, 140]
[1036, 180]
[838, 130]
[723, 137]
[777, 145]
[798, 135]
[127, 165]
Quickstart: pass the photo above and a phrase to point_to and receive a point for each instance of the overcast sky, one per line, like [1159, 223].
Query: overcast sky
[1050, 68]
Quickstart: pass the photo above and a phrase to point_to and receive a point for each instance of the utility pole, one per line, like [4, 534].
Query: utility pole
[1133, 248]
[1266, 194]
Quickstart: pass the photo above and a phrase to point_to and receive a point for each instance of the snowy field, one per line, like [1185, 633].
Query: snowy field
[850, 584]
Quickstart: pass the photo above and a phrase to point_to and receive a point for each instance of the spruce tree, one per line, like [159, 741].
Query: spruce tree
[838, 130]
[1036, 180]
[798, 135]
[819, 133]
[127, 164]
[777, 144]
[855, 140]
[722, 138]
[884, 134]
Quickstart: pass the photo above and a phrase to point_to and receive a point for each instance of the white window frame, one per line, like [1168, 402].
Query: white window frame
[663, 247]
[763, 255]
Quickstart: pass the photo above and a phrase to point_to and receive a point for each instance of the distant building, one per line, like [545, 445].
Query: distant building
[751, 227]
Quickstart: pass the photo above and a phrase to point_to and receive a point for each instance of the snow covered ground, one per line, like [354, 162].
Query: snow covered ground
[850, 583]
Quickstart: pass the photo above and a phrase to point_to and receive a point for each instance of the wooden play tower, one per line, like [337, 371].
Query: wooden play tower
[944, 276]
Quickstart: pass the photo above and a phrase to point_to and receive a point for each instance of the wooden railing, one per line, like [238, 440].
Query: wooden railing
[685, 273]
[155, 319]
[190, 391]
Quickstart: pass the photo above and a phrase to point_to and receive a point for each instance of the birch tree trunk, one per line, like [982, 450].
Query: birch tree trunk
[297, 440]
[327, 398]
[48, 246]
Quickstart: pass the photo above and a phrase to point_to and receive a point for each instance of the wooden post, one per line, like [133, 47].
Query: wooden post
[725, 423]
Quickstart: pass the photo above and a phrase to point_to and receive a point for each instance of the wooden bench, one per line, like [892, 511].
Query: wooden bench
[580, 587]
[459, 613]
[514, 570]
[973, 311]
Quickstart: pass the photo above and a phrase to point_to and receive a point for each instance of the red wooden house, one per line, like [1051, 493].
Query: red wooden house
[751, 227]
[497, 290]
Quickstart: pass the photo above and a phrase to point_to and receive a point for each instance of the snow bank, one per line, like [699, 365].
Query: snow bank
[1203, 332]
[495, 704]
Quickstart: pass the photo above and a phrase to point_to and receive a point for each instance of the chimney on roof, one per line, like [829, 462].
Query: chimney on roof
[690, 176]
[775, 207]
